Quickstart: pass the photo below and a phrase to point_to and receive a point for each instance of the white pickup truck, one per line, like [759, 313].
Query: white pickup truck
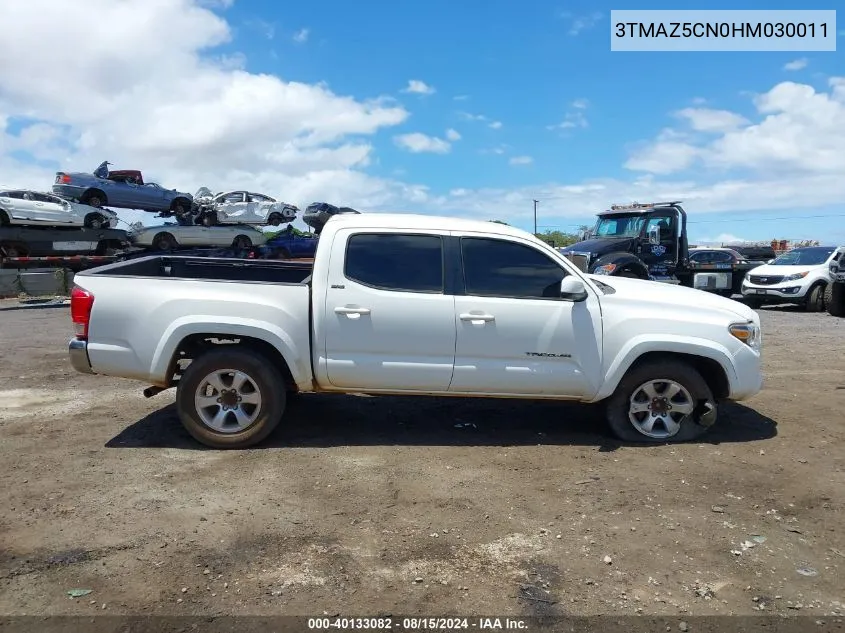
[415, 305]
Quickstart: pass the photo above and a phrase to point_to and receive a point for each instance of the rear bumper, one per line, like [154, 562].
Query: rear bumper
[78, 352]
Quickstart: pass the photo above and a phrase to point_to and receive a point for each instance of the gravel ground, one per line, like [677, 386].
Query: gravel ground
[363, 505]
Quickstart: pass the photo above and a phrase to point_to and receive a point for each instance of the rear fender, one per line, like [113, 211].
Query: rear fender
[297, 359]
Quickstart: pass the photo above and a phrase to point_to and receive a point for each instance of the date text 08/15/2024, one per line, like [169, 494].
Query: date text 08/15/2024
[416, 624]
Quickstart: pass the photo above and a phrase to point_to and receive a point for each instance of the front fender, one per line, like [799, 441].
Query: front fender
[620, 260]
[639, 345]
[297, 360]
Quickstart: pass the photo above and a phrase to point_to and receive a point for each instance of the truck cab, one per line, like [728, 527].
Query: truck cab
[645, 241]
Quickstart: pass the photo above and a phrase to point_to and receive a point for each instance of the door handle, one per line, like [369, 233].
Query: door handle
[476, 319]
[351, 311]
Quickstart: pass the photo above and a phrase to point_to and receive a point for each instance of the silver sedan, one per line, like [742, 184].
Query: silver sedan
[170, 236]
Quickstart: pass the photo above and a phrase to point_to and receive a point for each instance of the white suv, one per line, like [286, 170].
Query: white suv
[799, 276]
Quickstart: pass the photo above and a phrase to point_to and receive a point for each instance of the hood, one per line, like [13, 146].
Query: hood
[782, 271]
[658, 292]
[600, 246]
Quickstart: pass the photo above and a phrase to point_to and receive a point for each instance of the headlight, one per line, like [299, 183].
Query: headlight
[795, 276]
[607, 269]
[748, 333]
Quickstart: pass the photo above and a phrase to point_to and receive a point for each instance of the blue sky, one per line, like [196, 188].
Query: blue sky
[542, 107]
[524, 65]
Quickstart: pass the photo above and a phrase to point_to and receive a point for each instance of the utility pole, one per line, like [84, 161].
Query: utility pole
[535, 216]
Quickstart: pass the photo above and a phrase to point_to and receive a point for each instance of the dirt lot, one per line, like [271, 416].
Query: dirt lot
[372, 504]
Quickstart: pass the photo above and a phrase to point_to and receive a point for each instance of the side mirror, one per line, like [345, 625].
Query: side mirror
[572, 289]
[583, 235]
[654, 235]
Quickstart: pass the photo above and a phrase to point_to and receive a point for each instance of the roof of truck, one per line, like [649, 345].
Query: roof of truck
[422, 222]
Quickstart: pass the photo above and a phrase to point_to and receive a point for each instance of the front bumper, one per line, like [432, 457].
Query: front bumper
[78, 352]
[786, 292]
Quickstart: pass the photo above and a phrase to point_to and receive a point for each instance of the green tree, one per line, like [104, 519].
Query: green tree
[557, 238]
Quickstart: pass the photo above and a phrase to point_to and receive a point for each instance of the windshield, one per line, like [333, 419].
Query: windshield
[628, 225]
[804, 257]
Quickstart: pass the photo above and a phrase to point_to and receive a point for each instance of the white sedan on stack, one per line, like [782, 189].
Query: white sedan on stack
[21, 207]
[247, 207]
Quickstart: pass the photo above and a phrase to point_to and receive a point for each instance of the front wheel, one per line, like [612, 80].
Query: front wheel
[274, 220]
[661, 402]
[242, 242]
[95, 221]
[230, 399]
[835, 299]
[815, 300]
[165, 242]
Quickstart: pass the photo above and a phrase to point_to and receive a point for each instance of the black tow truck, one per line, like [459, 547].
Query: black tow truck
[649, 241]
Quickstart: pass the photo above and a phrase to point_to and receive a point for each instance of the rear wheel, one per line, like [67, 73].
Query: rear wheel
[94, 199]
[14, 249]
[165, 242]
[180, 207]
[230, 399]
[815, 299]
[661, 402]
[835, 299]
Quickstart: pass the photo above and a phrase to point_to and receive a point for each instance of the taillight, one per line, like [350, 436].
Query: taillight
[62, 179]
[81, 302]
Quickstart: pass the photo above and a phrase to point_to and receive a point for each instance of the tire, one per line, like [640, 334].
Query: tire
[242, 242]
[95, 221]
[836, 300]
[4, 219]
[815, 299]
[209, 218]
[754, 304]
[261, 418]
[13, 249]
[274, 220]
[94, 199]
[694, 395]
[180, 206]
[165, 242]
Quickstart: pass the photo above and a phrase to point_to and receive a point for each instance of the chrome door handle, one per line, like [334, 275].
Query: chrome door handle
[476, 318]
[345, 310]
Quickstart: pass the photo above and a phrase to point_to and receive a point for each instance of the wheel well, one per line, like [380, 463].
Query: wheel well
[711, 371]
[193, 346]
[4, 218]
[183, 201]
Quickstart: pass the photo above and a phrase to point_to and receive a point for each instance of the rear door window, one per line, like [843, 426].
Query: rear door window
[393, 261]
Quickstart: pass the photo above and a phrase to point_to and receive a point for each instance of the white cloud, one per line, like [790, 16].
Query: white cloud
[172, 108]
[580, 23]
[722, 238]
[461, 97]
[301, 35]
[415, 86]
[418, 143]
[707, 120]
[580, 104]
[453, 135]
[267, 29]
[798, 64]
[575, 119]
[800, 133]
[521, 160]
[496, 125]
[467, 116]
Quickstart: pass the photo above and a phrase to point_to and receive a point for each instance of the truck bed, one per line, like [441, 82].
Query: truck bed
[211, 269]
